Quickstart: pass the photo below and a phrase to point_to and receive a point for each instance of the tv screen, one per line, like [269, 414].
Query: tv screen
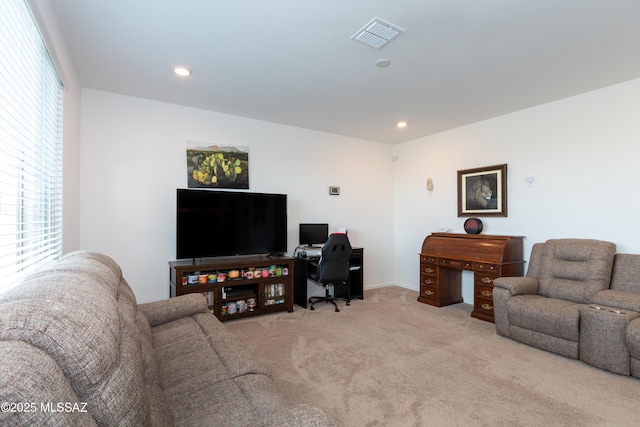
[224, 223]
[313, 234]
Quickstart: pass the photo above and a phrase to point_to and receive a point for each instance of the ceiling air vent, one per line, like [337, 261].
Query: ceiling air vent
[377, 33]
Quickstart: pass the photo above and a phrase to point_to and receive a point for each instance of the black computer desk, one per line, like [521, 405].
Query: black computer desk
[355, 290]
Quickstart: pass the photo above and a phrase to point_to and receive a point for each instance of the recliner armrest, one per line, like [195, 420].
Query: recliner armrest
[164, 311]
[517, 285]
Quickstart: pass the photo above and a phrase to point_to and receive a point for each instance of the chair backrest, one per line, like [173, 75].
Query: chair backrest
[333, 266]
[626, 273]
[574, 269]
[535, 260]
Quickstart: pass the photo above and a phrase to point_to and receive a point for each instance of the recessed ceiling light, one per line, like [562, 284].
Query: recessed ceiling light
[182, 71]
[401, 124]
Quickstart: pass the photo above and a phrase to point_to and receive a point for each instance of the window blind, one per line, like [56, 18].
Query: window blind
[30, 147]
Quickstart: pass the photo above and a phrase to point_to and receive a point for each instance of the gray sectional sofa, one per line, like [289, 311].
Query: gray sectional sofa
[76, 350]
[579, 299]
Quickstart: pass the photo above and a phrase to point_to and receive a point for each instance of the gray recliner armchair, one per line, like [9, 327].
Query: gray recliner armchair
[542, 309]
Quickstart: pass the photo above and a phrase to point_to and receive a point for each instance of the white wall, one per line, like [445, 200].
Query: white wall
[133, 159]
[583, 152]
[121, 171]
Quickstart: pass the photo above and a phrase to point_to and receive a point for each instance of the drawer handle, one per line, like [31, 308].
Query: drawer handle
[487, 307]
[429, 270]
[486, 293]
[428, 281]
[492, 267]
[428, 292]
[443, 261]
[486, 280]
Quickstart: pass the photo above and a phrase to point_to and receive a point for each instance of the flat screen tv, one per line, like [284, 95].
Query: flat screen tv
[213, 223]
[313, 234]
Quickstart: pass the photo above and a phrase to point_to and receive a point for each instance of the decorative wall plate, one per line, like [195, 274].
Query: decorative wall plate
[473, 226]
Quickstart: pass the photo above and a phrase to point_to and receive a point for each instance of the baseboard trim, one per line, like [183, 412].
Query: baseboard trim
[386, 285]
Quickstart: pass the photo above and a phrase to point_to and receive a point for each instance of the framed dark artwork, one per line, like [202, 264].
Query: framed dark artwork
[217, 166]
[483, 191]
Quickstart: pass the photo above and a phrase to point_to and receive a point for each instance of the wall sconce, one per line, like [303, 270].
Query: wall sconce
[429, 184]
[529, 180]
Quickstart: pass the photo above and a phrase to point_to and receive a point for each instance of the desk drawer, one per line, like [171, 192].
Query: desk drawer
[428, 280]
[483, 306]
[485, 292]
[428, 269]
[451, 263]
[489, 268]
[428, 291]
[483, 279]
[428, 258]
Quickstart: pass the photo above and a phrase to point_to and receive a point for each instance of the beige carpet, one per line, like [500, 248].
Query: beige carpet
[391, 361]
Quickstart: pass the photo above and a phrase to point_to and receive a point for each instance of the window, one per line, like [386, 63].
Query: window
[30, 147]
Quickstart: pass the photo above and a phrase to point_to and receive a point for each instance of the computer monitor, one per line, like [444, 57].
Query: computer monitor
[313, 234]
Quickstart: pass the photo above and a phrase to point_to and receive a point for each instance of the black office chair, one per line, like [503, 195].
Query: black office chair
[332, 268]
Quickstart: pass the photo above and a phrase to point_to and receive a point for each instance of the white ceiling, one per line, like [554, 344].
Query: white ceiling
[293, 62]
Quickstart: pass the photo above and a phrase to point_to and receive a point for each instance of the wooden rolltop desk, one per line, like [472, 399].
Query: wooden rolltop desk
[445, 255]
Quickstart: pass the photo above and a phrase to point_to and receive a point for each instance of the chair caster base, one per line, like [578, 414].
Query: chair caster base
[328, 299]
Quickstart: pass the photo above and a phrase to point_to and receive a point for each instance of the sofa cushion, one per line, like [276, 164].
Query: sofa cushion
[213, 404]
[186, 360]
[199, 361]
[261, 392]
[574, 269]
[550, 316]
[231, 351]
[203, 364]
[619, 299]
[545, 342]
[626, 273]
[298, 415]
